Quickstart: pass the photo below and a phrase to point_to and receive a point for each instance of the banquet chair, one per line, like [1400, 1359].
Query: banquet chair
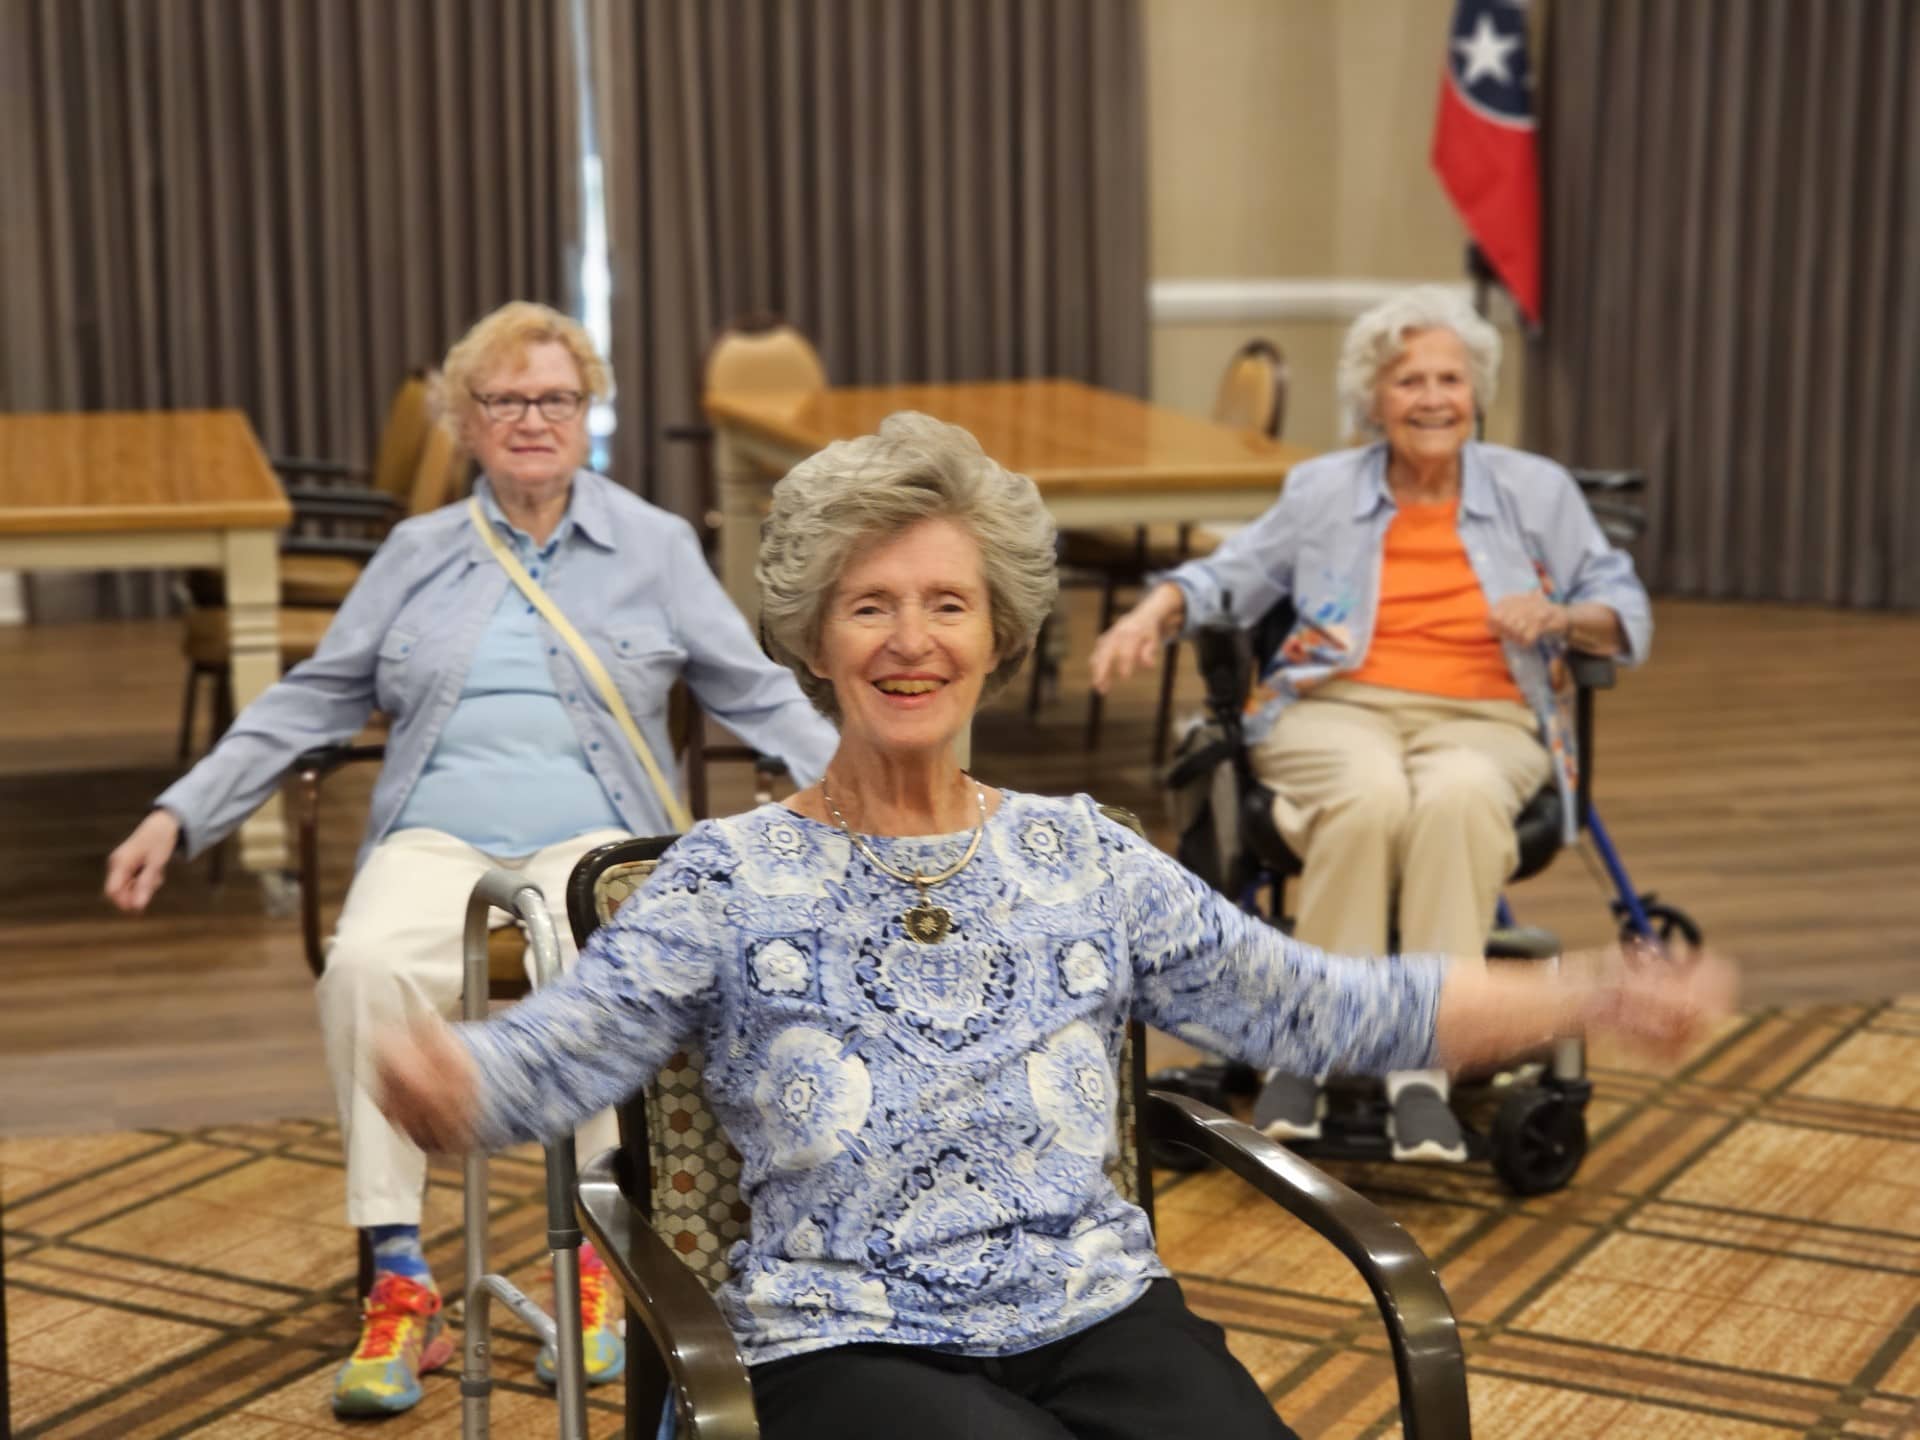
[1251, 397]
[757, 354]
[665, 1208]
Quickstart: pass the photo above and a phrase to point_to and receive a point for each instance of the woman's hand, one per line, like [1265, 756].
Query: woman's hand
[138, 865]
[428, 1085]
[1135, 640]
[1524, 619]
[1661, 1005]
[1655, 1003]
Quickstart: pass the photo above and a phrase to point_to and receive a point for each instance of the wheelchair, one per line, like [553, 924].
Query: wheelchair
[1227, 836]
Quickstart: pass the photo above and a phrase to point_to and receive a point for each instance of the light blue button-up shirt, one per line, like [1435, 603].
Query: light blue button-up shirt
[1523, 523]
[635, 585]
[508, 774]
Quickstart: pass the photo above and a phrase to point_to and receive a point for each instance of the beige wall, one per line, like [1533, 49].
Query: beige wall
[1287, 140]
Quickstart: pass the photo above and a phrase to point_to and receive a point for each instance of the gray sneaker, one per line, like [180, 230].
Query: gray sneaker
[1424, 1127]
[1290, 1107]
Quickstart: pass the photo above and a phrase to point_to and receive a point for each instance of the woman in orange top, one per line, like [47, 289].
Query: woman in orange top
[1411, 713]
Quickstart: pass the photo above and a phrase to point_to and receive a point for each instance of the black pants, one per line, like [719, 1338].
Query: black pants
[1155, 1371]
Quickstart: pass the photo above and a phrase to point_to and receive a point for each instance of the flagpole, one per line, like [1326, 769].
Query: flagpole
[1481, 272]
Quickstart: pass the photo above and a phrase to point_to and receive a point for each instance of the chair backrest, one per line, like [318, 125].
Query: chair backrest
[759, 354]
[403, 436]
[441, 475]
[1253, 391]
[678, 1168]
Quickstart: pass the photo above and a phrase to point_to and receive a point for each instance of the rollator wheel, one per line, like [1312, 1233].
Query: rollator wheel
[1667, 921]
[1539, 1140]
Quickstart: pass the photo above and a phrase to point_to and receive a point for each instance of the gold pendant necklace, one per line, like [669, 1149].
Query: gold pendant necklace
[926, 923]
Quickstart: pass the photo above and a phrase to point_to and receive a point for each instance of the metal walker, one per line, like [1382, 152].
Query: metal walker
[522, 899]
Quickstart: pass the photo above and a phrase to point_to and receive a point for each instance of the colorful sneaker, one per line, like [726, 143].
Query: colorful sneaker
[602, 1352]
[400, 1339]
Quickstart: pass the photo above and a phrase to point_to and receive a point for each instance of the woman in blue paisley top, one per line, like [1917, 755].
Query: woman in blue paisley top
[912, 991]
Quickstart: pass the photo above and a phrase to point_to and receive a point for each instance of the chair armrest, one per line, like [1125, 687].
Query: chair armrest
[309, 769]
[1225, 659]
[1591, 672]
[359, 494]
[1420, 1324]
[711, 1392]
[378, 500]
[1610, 482]
[1613, 497]
[313, 465]
[322, 760]
[352, 505]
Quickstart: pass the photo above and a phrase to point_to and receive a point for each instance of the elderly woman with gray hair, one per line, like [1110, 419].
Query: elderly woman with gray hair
[913, 988]
[1413, 710]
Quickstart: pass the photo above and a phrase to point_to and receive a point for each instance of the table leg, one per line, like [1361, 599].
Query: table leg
[253, 637]
[744, 488]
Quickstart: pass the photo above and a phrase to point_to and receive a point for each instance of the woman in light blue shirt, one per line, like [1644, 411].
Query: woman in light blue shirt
[912, 991]
[501, 750]
[1417, 704]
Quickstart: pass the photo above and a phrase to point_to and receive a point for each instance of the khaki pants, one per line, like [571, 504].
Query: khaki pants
[396, 953]
[1388, 791]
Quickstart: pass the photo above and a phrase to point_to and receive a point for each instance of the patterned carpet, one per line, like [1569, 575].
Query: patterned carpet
[1739, 1257]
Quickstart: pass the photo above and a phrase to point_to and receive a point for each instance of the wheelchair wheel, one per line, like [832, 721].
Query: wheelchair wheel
[1539, 1139]
[1667, 922]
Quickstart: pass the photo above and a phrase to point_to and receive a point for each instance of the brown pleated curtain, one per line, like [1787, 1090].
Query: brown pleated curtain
[1732, 193]
[930, 189]
[275, 206]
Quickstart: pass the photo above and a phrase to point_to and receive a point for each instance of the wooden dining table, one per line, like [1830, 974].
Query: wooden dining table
[159, 490]
[1098, 457]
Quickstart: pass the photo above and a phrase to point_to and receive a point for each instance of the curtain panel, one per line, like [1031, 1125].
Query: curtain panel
[930, 189]
[279, 207]
[1732, 207]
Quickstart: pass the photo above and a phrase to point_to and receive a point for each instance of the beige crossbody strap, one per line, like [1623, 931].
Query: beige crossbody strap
[590, 662]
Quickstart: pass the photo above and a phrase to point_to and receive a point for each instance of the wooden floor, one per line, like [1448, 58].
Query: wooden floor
[1763, 772]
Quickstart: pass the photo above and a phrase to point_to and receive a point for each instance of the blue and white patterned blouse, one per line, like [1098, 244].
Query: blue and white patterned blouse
[924, 1128]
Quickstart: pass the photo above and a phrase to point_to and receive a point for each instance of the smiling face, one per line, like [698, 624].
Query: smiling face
[532, 458]
[1424, 399]
[907, 639]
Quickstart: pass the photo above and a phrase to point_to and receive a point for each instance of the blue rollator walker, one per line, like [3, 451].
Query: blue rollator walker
[521, 899]
[1227, 836]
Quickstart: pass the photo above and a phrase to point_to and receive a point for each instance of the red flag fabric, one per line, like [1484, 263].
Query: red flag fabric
[1484, 146]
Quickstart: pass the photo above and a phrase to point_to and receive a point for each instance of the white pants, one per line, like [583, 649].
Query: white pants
[396, 953]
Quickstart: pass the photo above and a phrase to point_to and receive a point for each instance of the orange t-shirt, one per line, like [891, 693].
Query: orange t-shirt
[1430, 634]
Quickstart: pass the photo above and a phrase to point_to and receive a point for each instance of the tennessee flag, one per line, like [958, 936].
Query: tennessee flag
[1484, 146]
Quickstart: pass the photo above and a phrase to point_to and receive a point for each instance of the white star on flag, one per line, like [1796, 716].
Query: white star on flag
[1486, 53]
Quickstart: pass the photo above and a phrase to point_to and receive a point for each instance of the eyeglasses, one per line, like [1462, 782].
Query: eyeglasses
[556, 405]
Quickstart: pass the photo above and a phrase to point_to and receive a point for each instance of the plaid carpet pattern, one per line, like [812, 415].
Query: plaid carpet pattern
[1739, 1258]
